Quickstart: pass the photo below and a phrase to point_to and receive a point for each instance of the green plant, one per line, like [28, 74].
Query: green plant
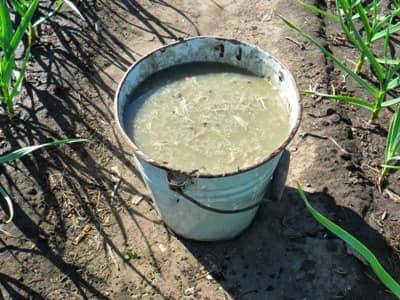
[370, 28]
[386, 76]
[129, 254]
[373, 25]
[12, 75]
[369, 257]
[392, 150]
[17, 154]
[21, 6]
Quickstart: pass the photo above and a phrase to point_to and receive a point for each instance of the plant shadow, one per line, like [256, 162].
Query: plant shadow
[56, 193]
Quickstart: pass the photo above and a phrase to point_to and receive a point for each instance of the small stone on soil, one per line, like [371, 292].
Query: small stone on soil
[162, 248]
[136, 199]
[189, 291]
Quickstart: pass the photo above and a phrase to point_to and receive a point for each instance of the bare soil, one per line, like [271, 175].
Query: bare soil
[84, 226]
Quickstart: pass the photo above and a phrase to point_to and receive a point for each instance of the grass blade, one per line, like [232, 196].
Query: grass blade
[388, 61]
[395, 158]
[393, 138]
[392, 29]
[58, 5]
[387, 19]
[369, 88]
[344, 26]
[373, 262]
[391, 167]
[365, 49]
[7, 197]
[18, 83]
[74, 8]
[23, 25]
[6, 26]
[319, 11]
[346, 99]
[394, 83]
[372, 6]
[16, 154]
[392, 149]
[364, 18]
[391, 102]
[18, 7]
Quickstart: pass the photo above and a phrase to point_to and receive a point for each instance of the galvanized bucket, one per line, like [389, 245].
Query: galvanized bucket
[201, 206]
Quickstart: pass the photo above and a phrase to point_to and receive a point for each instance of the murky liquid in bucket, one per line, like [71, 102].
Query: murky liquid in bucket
[207, 117]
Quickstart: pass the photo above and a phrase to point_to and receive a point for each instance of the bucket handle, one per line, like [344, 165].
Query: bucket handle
[216, 210]
[178, 181]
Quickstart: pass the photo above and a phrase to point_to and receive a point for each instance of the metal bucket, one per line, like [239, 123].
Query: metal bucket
[209, 207]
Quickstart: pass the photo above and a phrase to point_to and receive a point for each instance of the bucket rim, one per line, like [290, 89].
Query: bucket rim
[197, 173]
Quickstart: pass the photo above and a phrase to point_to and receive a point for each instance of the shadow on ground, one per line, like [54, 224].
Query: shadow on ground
[67, 95]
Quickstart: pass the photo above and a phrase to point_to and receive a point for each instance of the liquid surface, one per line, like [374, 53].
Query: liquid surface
[207, 117]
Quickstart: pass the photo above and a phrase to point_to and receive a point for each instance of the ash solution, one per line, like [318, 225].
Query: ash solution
[208, 117]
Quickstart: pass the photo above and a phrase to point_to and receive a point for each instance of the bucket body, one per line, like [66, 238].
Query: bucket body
[209, 207]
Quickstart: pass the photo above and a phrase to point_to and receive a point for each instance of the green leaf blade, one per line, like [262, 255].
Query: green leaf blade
[392, 148]
[16, 154]
[18, 83]
[394, 83]
[391, 102]
[58, 5]
[7, 198]
[19, 8]
[23, 25]
[363, 47]
[345, 99]
[381, 34]
[74, 8]
[6, 26]
[388, 61]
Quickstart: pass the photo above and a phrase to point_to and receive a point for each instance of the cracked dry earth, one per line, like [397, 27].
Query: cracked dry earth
[85, 227]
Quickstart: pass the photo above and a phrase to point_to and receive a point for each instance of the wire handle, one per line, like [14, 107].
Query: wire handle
[177, 182]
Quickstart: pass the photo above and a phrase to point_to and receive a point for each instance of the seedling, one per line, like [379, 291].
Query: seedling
[129, 254]
[17, 154]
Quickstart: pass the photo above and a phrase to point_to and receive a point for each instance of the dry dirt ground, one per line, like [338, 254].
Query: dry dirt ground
[84, 226]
